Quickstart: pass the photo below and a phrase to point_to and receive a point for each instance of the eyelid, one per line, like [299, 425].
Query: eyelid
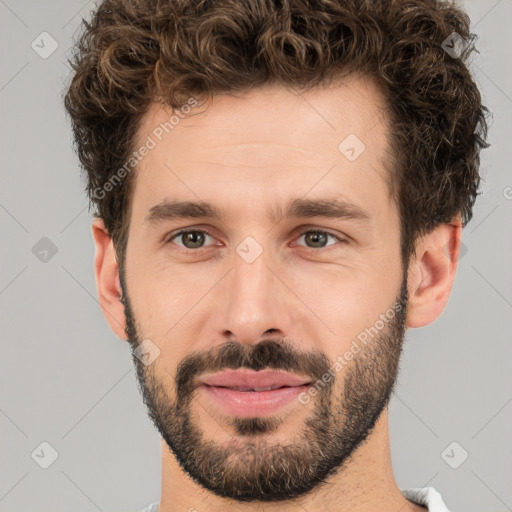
[304, 231]
[297, 233]
[171, 236]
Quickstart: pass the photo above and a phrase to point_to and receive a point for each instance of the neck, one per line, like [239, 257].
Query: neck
[365, 484]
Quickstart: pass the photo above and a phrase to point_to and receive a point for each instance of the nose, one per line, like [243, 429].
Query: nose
[256, 302]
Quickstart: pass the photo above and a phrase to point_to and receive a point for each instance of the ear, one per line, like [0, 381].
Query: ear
[108, 284]
[432, 273]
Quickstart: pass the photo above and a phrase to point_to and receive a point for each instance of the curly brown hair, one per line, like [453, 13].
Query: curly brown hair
[135, 52]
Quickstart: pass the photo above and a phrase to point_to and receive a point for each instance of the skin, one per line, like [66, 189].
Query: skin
[246, 154]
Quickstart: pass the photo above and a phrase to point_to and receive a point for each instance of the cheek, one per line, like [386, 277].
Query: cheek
[167, 300]
[346, 299]
[165, 307]
[164, 297]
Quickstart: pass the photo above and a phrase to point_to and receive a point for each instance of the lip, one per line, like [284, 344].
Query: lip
[221, 389]
[252, 403]
[253, 379]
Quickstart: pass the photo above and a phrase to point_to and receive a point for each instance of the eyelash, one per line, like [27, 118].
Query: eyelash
[206, 232]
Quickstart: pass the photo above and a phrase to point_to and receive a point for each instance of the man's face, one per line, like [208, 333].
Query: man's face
[264, 292]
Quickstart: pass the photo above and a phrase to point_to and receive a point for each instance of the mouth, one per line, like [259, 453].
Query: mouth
[257, 389]
[246, 393]
[250, 380]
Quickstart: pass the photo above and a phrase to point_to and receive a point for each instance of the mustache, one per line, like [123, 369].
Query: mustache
[268, 354]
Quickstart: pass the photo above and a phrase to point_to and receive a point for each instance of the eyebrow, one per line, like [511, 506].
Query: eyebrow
[329, 208]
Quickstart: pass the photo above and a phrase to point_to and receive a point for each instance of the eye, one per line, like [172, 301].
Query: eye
[191, 239]
[319, 238]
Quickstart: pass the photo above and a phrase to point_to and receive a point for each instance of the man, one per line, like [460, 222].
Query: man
[280, 192]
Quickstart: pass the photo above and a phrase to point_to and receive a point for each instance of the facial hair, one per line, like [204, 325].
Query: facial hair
[252, 469]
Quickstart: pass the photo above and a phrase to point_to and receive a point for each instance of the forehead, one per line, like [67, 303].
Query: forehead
[352, 105]
[268, 140]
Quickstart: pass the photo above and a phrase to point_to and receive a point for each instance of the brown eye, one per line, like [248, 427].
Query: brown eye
[191, 239]
[318, 239]
[194, 238]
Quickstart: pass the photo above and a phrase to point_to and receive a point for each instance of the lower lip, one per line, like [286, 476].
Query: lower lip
[253, 403]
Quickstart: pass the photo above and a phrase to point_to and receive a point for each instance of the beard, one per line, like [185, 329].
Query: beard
[344, 412]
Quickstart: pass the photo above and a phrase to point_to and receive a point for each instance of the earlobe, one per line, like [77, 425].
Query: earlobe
[432, 273]
[107, 279]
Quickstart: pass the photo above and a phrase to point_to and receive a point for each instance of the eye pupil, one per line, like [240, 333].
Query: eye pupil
[190, 236]
[196, 239]
[314, 236]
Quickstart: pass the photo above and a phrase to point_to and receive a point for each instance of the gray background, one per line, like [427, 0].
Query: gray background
[68, 381]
